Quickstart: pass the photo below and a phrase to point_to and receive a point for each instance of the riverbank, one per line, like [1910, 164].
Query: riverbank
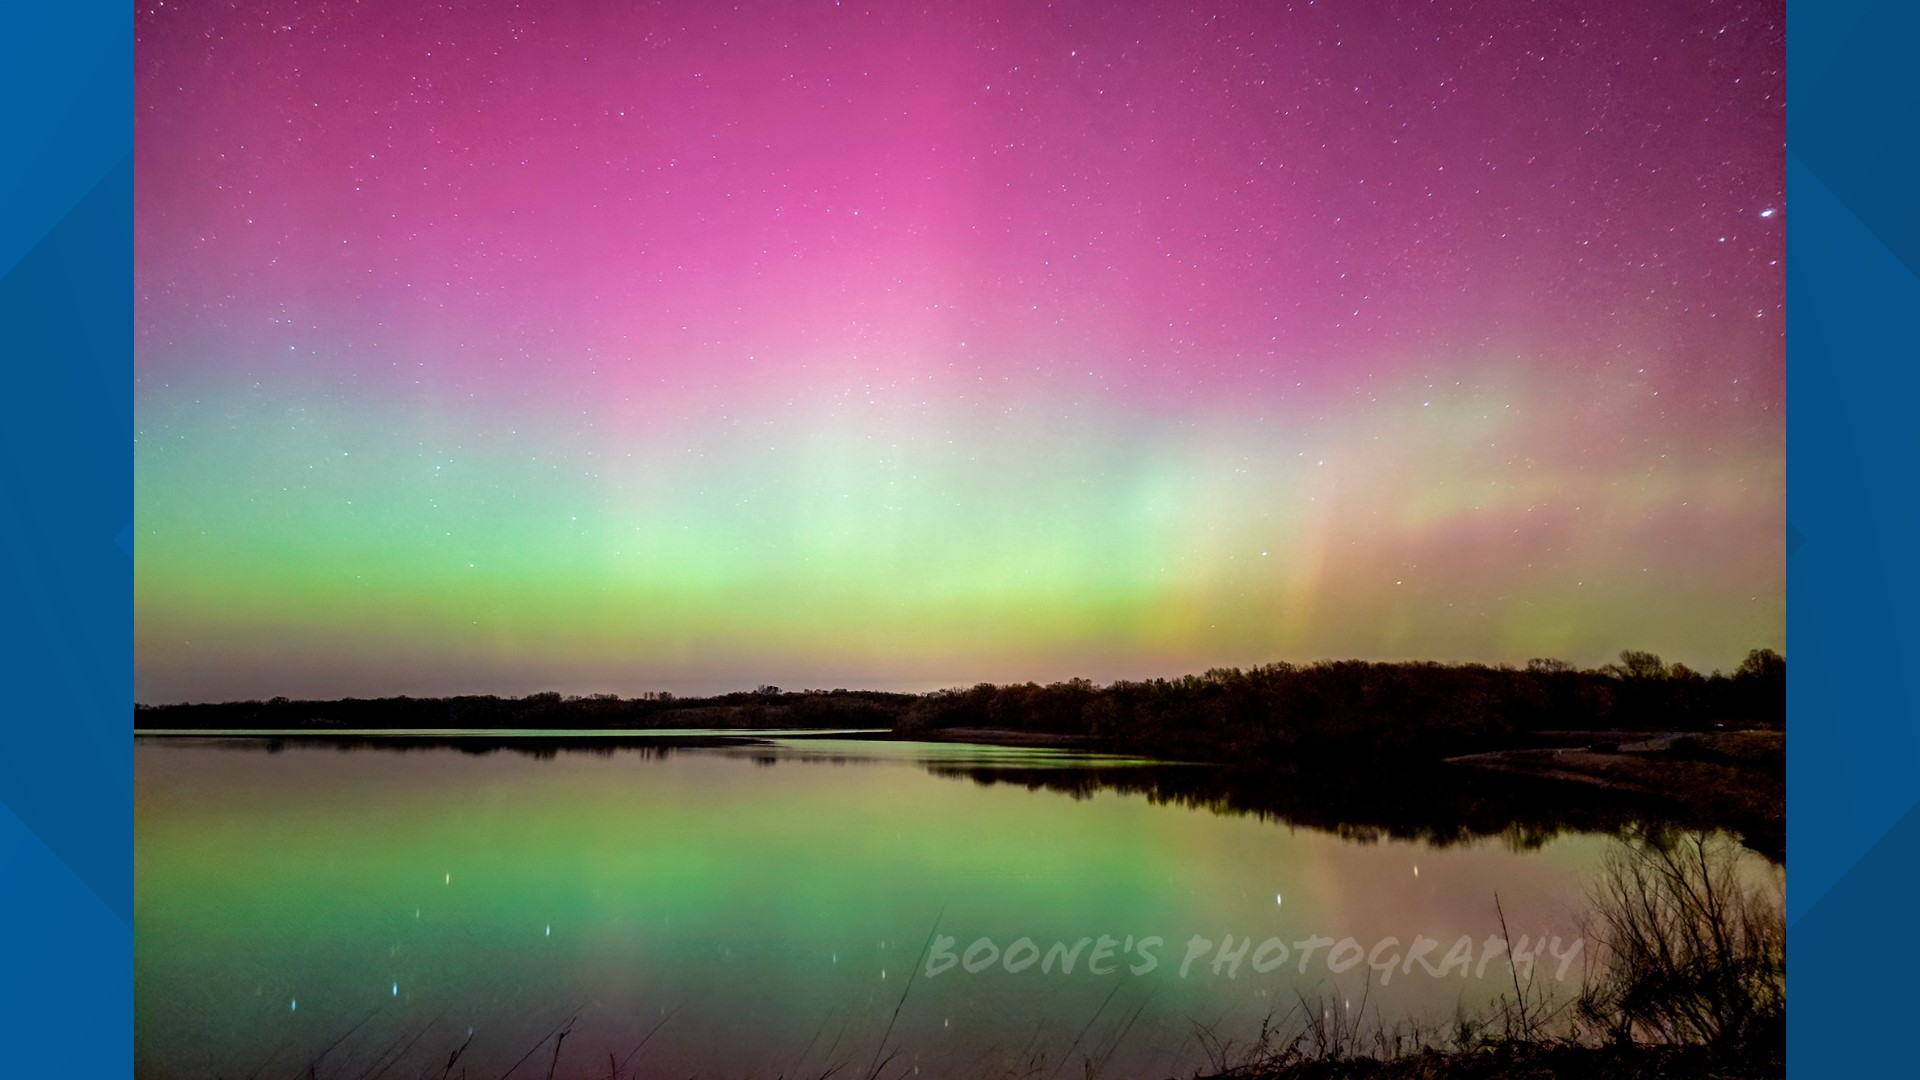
[1733, 778]
[1556, 1061]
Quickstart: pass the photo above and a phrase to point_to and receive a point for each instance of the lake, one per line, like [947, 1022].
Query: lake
[779, 905]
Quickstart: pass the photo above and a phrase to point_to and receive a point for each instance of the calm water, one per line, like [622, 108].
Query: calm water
[758, 908]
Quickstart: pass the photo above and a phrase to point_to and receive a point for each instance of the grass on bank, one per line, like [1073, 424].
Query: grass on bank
[1688, 979]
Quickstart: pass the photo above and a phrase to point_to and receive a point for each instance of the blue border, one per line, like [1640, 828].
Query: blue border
[1853, 535]
[66, 516]
[66, 534]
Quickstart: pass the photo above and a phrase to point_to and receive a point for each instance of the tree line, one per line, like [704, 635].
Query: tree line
[1398, 709]
[1408, 710]
[547, 711]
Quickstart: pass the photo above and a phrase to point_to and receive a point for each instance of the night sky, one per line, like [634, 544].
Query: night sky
[602, 347]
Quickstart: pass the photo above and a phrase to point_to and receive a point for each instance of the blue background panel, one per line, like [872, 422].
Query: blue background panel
[66, 510]
[1853, 444]
[66, 572]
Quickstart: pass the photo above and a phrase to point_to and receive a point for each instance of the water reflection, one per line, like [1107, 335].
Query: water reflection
[1437, 803]
[703, 902]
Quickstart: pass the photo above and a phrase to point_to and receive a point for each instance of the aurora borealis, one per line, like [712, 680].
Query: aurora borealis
[499, 348]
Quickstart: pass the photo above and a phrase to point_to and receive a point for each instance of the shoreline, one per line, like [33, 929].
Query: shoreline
[1730, 780]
